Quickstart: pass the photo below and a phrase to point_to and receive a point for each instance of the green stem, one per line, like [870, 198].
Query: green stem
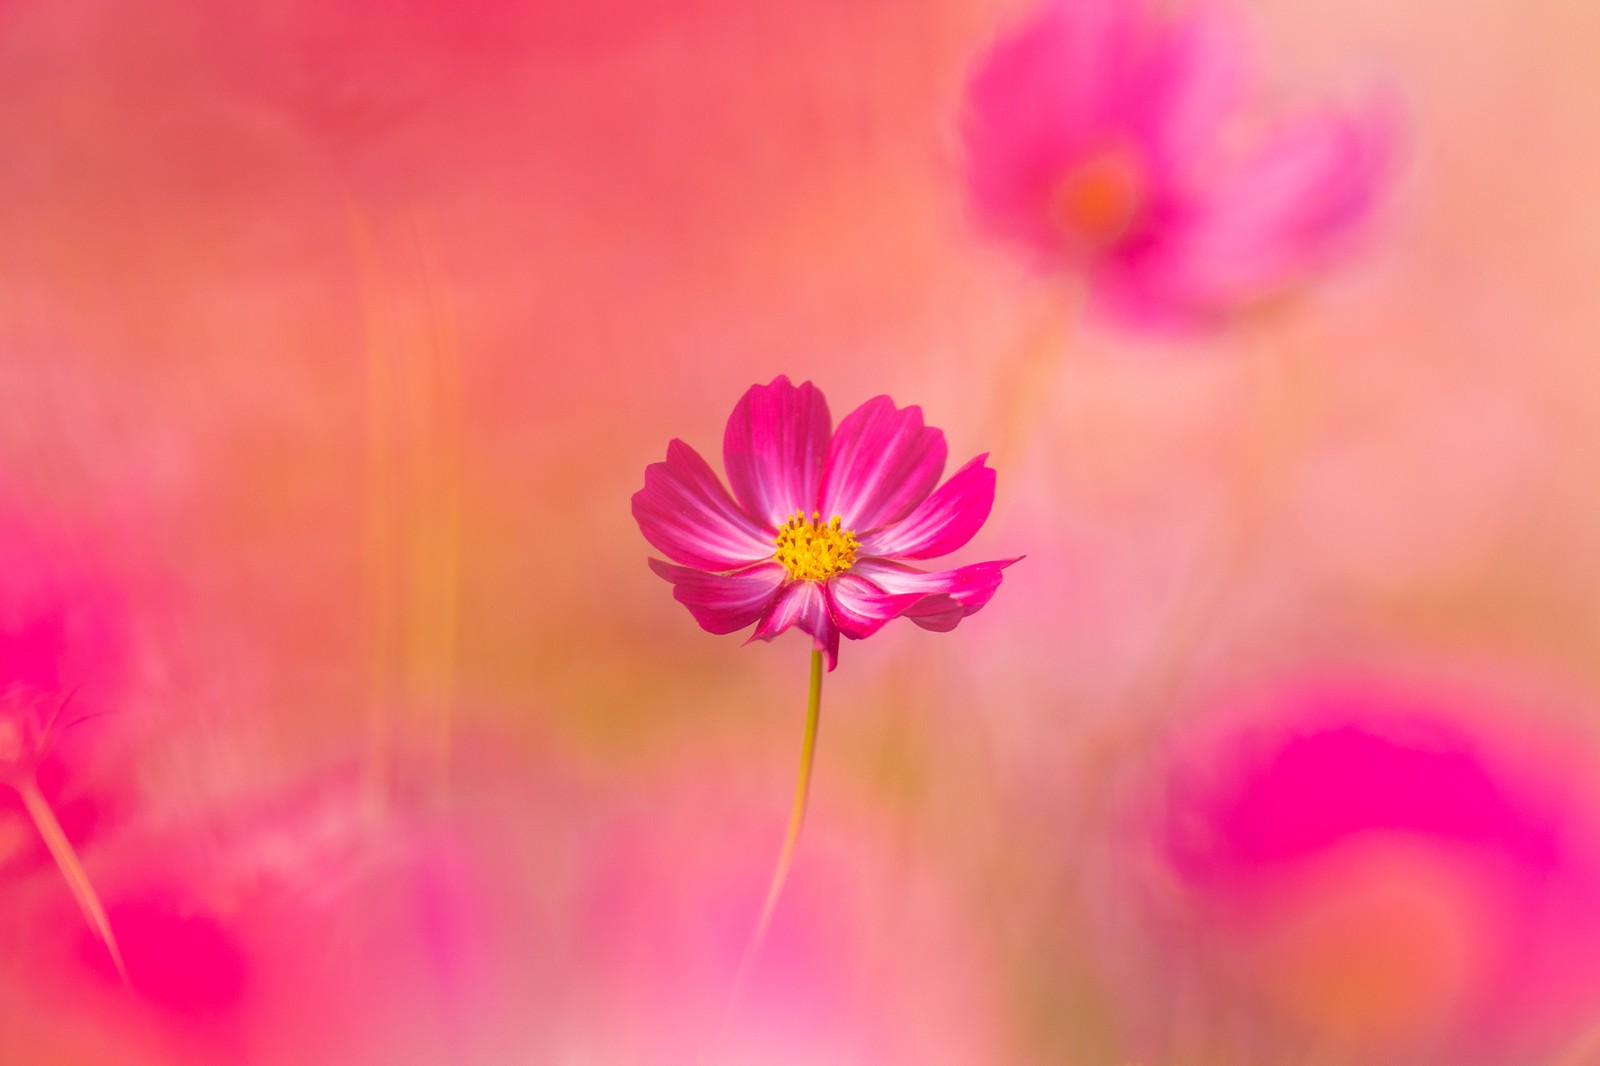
[66, 857]
[802, 792]
[791, 838]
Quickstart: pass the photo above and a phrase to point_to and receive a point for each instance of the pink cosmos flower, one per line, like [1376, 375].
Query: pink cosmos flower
[820, 521]
[301, 923]
[1410, 872]
[1100, 139]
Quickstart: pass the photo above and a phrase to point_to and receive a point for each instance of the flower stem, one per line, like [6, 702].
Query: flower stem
[802, 792]
[55, 839]
[791, 838]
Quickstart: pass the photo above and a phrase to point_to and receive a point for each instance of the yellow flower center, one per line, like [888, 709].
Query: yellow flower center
[815, 550]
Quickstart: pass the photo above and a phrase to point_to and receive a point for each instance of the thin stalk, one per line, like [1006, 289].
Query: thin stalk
[66, 857]
[802, 793]
[791, 838]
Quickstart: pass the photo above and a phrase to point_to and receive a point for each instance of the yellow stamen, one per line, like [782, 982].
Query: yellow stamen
[814, 550]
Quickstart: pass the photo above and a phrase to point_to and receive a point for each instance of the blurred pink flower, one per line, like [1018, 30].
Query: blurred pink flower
[1098, 139]
[30, 720]
[767, 555]
[310, 922]
[63, 660]
[1396, 872]
[60, 628]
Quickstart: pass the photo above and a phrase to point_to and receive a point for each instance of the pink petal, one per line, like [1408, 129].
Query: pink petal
[1289, 209]
[882, 462]
[861, 608]
[944, 521]
[1195, 75]
[684, 511]
[1043, 97]
[724, 603]
[774, 448]
[803, 604]
[946, 596]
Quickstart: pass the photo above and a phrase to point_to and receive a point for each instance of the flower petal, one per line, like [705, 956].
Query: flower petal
[684, 511]
[724, 603]
[1195, 74]
[882, 462]
[1288, 209]
[946, 596]
[803, 604]
[774, 448]
[861, 608]
[944, 521]
[1045, 94]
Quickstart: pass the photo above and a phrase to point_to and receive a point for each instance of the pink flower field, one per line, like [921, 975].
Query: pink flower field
[628, 533]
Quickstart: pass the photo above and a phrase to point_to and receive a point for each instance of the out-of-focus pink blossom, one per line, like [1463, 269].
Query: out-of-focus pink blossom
[313, 924]
[772, 555]
[1100, 139]
[1394, 872]
[61, 629]
[63, 664]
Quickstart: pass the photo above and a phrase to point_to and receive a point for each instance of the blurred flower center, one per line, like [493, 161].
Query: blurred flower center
[10, 743]
[1095, 204]
[1376, 941]
[19, 729]
[813, 550]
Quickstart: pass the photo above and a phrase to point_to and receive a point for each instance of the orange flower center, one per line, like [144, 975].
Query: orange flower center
[12, 748]
[1095, 204]
[814, 550]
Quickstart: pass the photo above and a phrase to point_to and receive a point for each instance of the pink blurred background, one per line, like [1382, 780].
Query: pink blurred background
[334, 338]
